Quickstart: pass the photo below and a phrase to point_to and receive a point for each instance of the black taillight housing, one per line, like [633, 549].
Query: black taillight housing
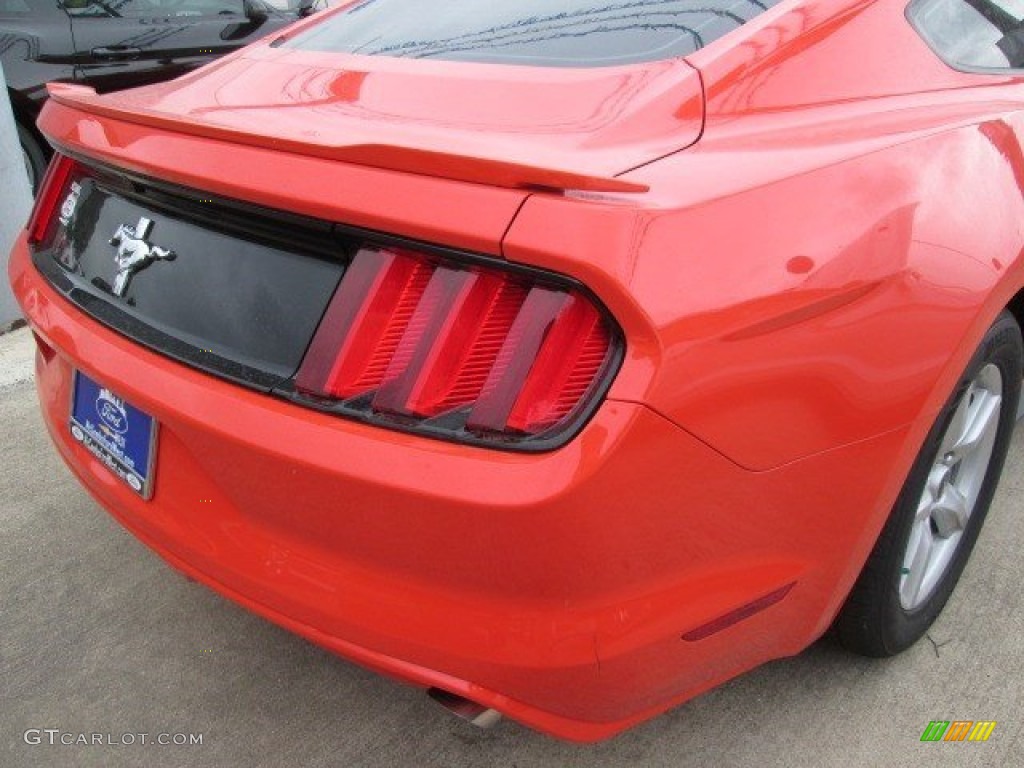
[471, 350]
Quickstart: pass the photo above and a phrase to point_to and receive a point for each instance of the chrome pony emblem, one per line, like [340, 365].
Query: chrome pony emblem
[134, 253]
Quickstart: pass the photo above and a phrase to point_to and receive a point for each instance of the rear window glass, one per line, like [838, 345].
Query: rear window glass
[973, 34]
[570, 33]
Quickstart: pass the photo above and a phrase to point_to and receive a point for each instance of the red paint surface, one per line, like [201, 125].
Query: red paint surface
[799, 291]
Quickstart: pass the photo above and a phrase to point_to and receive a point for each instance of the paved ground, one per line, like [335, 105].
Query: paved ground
[97, 635]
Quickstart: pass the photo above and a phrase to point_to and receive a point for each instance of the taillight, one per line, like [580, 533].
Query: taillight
[469, 351]
[43, 221]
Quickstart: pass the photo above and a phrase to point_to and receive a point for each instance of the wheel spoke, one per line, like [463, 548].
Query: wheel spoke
[921, 544]
[980, 422]
[950, 511]
[957, 425]
[932, 491]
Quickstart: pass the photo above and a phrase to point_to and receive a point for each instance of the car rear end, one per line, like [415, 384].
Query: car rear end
[364, 422]
[349, 432]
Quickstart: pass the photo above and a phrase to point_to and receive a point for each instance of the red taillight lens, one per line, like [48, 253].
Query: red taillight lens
[43, 221]
[469, 351]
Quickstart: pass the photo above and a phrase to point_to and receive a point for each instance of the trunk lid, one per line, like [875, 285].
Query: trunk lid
[509, 126]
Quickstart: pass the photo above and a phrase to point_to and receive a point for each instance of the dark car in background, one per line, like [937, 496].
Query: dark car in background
[114, 44]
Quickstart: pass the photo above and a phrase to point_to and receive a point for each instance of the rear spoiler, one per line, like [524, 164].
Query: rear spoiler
[476, 170]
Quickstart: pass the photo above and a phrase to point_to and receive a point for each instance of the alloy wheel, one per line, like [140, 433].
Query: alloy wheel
[952, 489]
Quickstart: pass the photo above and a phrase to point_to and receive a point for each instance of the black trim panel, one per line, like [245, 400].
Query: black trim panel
[329, 242]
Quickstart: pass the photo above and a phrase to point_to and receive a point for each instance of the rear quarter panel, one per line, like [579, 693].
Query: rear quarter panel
[811, 278]
[820, 266]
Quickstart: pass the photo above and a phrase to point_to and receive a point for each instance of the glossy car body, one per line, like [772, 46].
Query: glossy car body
[803, 230]
[118, 45]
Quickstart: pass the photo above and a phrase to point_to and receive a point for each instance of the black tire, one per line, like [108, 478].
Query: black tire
[873, 621]
[35, 158]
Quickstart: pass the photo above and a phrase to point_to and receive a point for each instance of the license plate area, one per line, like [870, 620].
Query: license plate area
[117, 433]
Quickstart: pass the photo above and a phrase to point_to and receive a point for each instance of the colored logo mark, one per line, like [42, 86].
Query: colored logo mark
[958, 730]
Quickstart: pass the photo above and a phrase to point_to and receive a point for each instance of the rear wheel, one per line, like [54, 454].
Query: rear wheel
[35, 158]
[935, 522]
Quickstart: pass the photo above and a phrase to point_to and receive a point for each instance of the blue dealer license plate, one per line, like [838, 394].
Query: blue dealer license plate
[115, 432]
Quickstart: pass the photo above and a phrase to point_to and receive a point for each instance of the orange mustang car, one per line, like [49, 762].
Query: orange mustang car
[563, 357]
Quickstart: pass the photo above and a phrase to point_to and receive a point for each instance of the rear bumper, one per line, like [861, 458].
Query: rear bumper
[555, 588]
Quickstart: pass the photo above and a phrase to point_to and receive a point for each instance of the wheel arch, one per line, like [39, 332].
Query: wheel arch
[1015, 307]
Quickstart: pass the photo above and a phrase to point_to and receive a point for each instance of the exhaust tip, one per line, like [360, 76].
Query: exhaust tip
[464, 709]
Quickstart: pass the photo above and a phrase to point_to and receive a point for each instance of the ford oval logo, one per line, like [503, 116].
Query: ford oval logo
[111, 411]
